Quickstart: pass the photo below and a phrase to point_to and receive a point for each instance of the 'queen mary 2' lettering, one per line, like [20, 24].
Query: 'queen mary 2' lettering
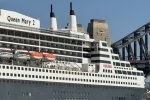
[107, 66]
[18, 20]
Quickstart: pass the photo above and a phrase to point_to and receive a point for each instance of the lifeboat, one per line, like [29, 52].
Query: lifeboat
[21, 54]
[48, 57]
[35, 55]
[6, 53]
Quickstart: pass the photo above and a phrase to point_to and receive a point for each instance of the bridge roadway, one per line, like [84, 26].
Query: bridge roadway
[134, 48]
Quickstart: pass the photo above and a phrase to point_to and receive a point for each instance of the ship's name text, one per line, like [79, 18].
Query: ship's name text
[18, 20]
[107, 66]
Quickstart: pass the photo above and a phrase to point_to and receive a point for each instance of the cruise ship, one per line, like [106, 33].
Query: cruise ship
[60, 64]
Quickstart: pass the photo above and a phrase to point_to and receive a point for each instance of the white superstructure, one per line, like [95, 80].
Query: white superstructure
[60, 55]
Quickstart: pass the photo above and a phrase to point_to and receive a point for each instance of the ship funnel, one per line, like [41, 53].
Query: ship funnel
[73, 22]
[53, 21]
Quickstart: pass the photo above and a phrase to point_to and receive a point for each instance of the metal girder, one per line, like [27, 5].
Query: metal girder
[125, 44]
[129, 42]
[142, 53]
[130, 53]
[143, 28]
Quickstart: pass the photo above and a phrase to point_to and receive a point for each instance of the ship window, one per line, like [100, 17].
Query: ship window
[32, 69]
[39, 76]
[36, 76]
[15, 75]
[11, 67]
[116, 57]
[29, 69]
[11, 74]
[138, 73]
[39, 70]
[127, 65]
[89, 74]
[32, 76]
[134, 73]
[122, 64]
[103, 49]
[142, 74]
[112, 57]
[111, 51]
[119, 72]
[116, 71]
[101, 61]
[22, 68]
[25, 75]
[84, 74]
[46, 70]
[117, 64]
[7, 74]
[124, 72]
[53, 71]
[43, 77]
[129, 73]
[7, 67]
[3, 67]
[18, 75]
[104, 44]
[114, 63]
[18, 68]
[100, 55]
[26, 69]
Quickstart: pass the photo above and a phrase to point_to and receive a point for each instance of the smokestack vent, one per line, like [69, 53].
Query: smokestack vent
[52, 14]
[71, 11]
[73, 21]
[53, 21]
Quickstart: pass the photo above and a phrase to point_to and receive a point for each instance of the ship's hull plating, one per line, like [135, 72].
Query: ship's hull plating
[32, 90]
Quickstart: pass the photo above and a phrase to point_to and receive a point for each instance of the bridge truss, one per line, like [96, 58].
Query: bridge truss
[134, 48]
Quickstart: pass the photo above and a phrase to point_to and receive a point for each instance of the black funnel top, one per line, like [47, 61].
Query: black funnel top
[71, 11]
[52, 14]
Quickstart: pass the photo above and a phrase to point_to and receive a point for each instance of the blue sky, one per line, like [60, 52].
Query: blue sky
[122, 16]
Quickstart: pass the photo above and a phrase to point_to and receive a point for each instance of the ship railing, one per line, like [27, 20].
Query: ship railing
[41, 30]
[61, 65]
[77, 65]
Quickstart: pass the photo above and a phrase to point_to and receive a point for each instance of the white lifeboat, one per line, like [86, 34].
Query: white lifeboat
[6, 53]
[48, 57]
[21, 54]
[35, 55]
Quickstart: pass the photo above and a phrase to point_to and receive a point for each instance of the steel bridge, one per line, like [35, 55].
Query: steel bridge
[134, 48]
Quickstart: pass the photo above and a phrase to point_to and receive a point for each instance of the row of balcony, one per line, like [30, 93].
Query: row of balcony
[46, 38]
[67, 34]
[57, 51]
[54, 45]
